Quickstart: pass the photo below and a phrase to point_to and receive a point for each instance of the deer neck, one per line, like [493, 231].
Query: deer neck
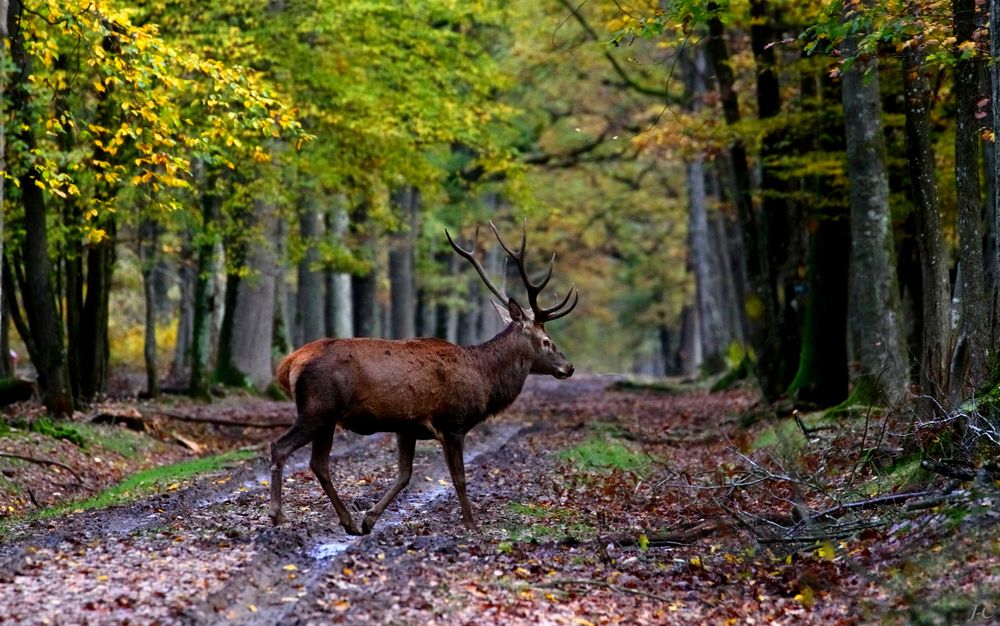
[504, 363]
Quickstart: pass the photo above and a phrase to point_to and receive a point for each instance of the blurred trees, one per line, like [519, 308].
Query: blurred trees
[788, 189]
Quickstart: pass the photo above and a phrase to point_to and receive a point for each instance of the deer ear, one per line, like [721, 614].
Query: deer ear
[515, 312]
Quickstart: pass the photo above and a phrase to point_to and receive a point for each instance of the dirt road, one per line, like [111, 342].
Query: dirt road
[595, 507]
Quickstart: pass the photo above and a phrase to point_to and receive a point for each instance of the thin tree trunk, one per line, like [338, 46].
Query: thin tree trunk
[760, 300]
[49, 356]
[309, 317]
[148, 245]
[994, 72]
[874, 302]
[402, 291]
[204, 304]
[180, 368]
[935, 287]
[971, 371]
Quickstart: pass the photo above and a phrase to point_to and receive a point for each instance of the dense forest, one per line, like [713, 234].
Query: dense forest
[772, 230]
[803, 194]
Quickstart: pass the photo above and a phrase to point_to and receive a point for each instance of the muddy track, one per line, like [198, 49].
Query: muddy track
[207, 552]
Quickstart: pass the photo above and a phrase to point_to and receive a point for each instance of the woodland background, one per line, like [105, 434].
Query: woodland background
[801, 193]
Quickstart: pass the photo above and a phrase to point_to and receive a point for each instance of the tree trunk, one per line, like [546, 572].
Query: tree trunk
[994, 72]
[4, 35]
[781, 226]
[49, 354]
[148, 257]
[402, 291]
[180, 368]
[935, 287]
[874, 297]
[364, 288]
[970, 372]
[204, 304]
[339, 316]
[760, 302]
[309, 309]
[245, 343]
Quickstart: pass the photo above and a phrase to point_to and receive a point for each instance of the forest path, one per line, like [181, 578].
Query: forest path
[595, 506]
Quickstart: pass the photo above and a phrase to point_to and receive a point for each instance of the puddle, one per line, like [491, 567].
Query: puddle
[414, 499]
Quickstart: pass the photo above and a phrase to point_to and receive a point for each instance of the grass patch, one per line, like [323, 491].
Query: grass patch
[786, 436]
[123, 441]
[604, 453]
[144, 483]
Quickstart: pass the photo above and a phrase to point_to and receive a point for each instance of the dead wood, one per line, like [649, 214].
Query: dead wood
[563, 582]
[219, 421]
[40, 461]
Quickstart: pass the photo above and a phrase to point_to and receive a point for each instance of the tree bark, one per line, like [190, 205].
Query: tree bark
[180, 368]
[309, 310]
[760, 301]
[38, 293]
[994, 73]
[338, 313]
[245, 343]
[935, 287]
[874, 297]
[780, 223]
[148, 257]
[204, 304]
[970, 371]
[402, 291]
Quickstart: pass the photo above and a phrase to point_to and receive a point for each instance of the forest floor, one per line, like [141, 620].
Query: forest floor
[596, 505]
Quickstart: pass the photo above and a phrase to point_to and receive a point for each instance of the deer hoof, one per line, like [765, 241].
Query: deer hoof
[352, 528]
[368, 523]
[277, 519]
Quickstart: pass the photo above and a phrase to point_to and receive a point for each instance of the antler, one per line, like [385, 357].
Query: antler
[470, 256]
[534, 289]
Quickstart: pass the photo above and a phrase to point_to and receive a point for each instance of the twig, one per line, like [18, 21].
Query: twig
[36, 460]
[599, 583]
[220, 421]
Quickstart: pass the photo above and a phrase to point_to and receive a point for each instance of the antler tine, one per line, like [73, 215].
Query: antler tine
[553, 313]
[470, 256]
[533, 288]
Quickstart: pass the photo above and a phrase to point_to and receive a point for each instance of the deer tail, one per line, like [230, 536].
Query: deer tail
[284, 371]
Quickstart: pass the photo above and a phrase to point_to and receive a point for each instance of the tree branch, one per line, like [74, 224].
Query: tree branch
[628, 81]
[38, 461]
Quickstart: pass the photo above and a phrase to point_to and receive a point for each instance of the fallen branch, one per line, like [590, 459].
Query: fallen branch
[842, 509]
[38, 461]
[219, 421]
[562, 582]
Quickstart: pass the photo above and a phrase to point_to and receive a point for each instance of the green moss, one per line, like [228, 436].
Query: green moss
[69, 432]
[602, 452]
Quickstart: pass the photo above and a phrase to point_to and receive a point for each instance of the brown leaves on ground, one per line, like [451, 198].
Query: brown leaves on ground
[608, 507]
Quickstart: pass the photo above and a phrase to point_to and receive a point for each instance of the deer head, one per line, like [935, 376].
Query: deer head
[531, 323]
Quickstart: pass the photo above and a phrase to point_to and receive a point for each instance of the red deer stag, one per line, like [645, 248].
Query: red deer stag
[417, 388]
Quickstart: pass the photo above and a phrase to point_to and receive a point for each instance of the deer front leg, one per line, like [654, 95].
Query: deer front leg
[406, 445]
[295, 438]
[453, 444]
[319, 463]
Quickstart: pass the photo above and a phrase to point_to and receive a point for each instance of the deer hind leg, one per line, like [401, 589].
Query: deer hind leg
[320, 465]
[296, 437]
[406, 445]
[453, 445]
